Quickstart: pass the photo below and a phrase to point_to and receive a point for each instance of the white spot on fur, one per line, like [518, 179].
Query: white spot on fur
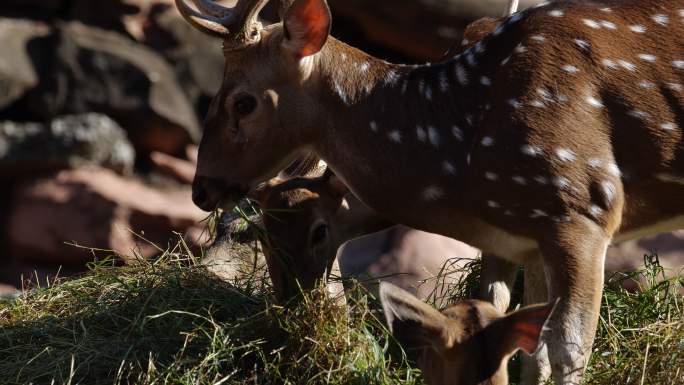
[373, 126]
[508, 213]
[485, 81]
[538, 38]
[595, 211]
[443, 81]
[556, 13]
[606, 10]
[660, 19]
[537, 103]
[391, 77]
[519, 180]
[433, 135]
[493, 204]
[491, 176]
[627, 65]
[675, 87]
[433, 193]
[647, 57]
[541, 180]
[591, 23]
[613, 169]
[465, 41]
[514, 103]
[530, 150]
[364, 67]
[609, 190]
[609, 64]
[637, 28]
[668, 126]
[487, 141]
[428, 92]
[646, 84]
[520, 49]
[638, 114]
[594, 162]
[457, 133]
[608, 24]
[395, 136]
[678, 64]
[536, 213]
[582, 43]
[470, 59]
[565, 155]
[561, 182]
[449, 168]
[571, 69]
[505, 61]
[420, 134]
[594, 102]
[461, 74]
[341, 93]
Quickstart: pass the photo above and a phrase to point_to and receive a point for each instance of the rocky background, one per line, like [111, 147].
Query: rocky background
[94, 94]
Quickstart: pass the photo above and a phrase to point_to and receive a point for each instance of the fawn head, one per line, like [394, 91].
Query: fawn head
[466, 344]
[302, 235]
[265, 92]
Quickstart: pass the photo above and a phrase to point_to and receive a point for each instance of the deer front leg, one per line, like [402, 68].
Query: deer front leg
[496, 281]
[535, 368]
[573, 255]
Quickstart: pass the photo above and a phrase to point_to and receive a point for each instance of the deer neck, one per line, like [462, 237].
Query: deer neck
[381, 122]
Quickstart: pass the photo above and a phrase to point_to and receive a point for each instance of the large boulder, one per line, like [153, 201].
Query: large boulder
[17, 73]
[83, 69]
[95, 208]
[67, 142]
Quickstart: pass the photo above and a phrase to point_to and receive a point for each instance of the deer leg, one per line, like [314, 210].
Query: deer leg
[573, 254]
[496, 281]
[535, 368]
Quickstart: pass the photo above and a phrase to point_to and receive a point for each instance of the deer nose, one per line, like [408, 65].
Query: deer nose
[202, 188]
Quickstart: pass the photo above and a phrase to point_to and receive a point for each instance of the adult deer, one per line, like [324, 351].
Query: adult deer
[468, 343]
[555, 134]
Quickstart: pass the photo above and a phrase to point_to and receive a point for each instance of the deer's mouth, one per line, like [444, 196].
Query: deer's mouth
[209, 194]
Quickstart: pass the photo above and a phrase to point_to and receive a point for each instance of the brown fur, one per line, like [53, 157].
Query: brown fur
[611, 159]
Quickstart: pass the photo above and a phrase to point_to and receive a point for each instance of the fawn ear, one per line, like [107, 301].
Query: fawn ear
[521, 329]
[414, 323]
[307, 27]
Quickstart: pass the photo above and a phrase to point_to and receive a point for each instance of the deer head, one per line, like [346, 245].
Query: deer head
[306, 220]
[466, 344]
[267, 88]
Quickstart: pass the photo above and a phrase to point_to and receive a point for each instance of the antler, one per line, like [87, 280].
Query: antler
[238, 24]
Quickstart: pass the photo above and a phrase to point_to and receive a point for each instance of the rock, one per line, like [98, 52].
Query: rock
[67, 142]
[94, 208]
[83, 69]
[17, 74]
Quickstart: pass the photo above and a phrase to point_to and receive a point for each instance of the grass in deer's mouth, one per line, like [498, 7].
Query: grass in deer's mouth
[172, 322]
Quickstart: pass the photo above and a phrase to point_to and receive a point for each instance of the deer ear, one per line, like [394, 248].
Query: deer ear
[307, 27]
[414, 323]
[521, 329]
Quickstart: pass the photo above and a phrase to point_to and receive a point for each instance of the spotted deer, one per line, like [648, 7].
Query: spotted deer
[556, 134]
[469, 342]
[310, 222]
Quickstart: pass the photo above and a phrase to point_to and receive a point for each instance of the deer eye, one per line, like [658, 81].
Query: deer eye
[319, 234]
[244, 105]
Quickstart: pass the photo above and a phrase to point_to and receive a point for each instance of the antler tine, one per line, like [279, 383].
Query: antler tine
[512, 7]
[238, 23]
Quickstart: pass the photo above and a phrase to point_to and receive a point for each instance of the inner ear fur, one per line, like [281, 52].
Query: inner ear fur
[521, 329]
[307, 26]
